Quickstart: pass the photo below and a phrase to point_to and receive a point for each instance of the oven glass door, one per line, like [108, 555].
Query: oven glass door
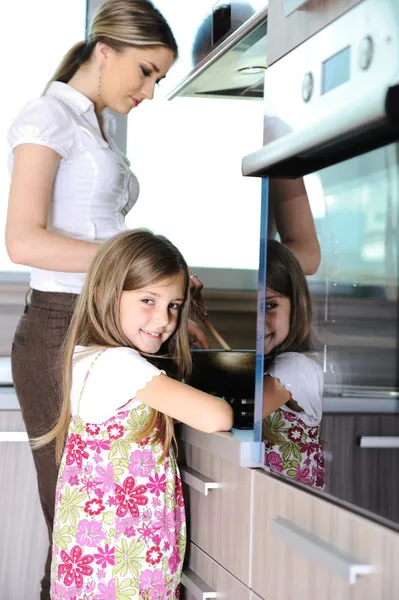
[339, 429]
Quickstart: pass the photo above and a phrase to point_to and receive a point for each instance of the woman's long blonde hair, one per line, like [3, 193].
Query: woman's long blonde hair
[130, 261]
[120, 24]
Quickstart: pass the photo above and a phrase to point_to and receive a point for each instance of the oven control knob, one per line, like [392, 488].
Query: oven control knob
[365, 52]
[307, 87]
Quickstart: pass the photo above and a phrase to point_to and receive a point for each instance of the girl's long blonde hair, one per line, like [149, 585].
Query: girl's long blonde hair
[130, 261]
[120, 24]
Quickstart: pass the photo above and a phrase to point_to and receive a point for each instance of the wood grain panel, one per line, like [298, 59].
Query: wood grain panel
[23, 533]
[219, 523]
[286, 33]
[226, 586]
[281, 572]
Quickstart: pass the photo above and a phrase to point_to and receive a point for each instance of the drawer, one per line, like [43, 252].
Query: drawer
[220, 519]
[306, 547]
[215, 578]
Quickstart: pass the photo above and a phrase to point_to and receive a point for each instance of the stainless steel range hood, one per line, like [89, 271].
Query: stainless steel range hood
[234, 69]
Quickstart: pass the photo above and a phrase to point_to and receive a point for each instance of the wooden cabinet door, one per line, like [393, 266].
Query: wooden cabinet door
[302, 545]
[284, 33]
[363, 475]
[23, 533]
[219, 523]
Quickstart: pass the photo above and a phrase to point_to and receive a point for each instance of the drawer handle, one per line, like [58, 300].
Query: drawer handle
[370, 441]
[13, 436]
[196, 586]
[319, 551]
[196, 480]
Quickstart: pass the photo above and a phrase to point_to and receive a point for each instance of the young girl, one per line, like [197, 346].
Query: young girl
[293, 382]
[119, 527]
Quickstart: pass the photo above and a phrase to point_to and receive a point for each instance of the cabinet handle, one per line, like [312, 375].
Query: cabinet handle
[13, 436]
[291, 6]
[319, 551]
[196, 480]
[196, 586]
[370, 441]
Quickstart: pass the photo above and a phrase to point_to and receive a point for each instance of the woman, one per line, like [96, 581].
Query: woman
[70, 190]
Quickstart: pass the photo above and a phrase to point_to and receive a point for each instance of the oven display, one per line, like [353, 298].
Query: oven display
[336, 70]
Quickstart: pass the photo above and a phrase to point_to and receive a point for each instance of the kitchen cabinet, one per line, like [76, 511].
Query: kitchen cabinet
[23, 533]
[358, 473]
[284, 33]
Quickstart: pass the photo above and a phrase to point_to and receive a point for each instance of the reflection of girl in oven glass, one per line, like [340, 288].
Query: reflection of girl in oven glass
[293, 382]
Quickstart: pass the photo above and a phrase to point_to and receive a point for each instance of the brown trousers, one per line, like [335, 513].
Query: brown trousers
[36, 375]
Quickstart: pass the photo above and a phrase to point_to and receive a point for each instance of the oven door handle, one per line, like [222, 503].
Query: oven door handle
[13, 436]
[378, 441]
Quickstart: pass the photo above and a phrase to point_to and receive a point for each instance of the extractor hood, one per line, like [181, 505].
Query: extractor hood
[234, 69]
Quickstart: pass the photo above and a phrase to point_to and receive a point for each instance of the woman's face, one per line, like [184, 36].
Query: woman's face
[129, 77]
[278, 310]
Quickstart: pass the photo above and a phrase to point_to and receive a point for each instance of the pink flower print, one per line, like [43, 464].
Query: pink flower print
[90, 585]
[179, 492]
[101, 574]
[130, 531]
[98, 445]
[308, 447]
[74, 566]
[105, 556]
[156, 502]
[150, 578]
[94, 507]
[313, 431]
[302, 475]
[115, 431]
[107, 591]
[144, 442]
[146, 532]
[73, 480]
[92, 429]
[153, 555]
[158, 592]
[75, 449]
[273, 461]
[166, 546]
[129, 496]
[289, 416]
[105, 477]
[165, 524]
[157, 484]
[123, 414]
[58, 591]
[295, 433]
[174, 560]
[156, 539]
[88, 485]
[89, 533]
[141, 463]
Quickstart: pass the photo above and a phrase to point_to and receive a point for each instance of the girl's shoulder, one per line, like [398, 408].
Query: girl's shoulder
[311, 361]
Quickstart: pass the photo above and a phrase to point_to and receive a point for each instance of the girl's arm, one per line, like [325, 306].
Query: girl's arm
[187, 404]
[27, 240]
[274, 395]
[290, 214]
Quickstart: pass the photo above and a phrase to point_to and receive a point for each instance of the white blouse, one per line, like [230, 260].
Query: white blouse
[112, 384]
[94, 187]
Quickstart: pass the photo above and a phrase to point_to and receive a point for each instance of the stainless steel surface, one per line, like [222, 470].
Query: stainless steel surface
[197, 481]
[365, 44]
[319, 551]
[197, 586]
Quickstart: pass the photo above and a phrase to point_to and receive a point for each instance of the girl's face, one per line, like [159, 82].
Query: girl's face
[278, 310]
[149, 316]
[129, 77]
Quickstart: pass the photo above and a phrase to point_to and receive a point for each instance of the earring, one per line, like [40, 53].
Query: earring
[99, 85]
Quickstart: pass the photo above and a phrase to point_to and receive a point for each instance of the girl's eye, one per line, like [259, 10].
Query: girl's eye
[147, 301]
[146, 72]
[174, 306]
[271, 305]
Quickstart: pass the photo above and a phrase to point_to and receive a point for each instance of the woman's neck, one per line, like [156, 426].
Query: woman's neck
[86, 82]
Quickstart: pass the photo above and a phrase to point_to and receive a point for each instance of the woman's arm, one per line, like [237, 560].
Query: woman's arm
[27, 240]
[290, 214]
[187, 405]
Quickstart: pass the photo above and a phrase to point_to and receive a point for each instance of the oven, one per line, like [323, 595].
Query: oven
[331, 117]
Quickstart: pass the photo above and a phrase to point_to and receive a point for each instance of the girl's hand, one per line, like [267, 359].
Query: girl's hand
[198, 337]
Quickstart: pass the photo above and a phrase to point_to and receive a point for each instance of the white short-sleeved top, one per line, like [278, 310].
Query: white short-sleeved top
[112, 384]
[94, 187]
[302, 375]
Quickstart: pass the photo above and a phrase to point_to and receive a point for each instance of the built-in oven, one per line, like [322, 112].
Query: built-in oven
[332, 118]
